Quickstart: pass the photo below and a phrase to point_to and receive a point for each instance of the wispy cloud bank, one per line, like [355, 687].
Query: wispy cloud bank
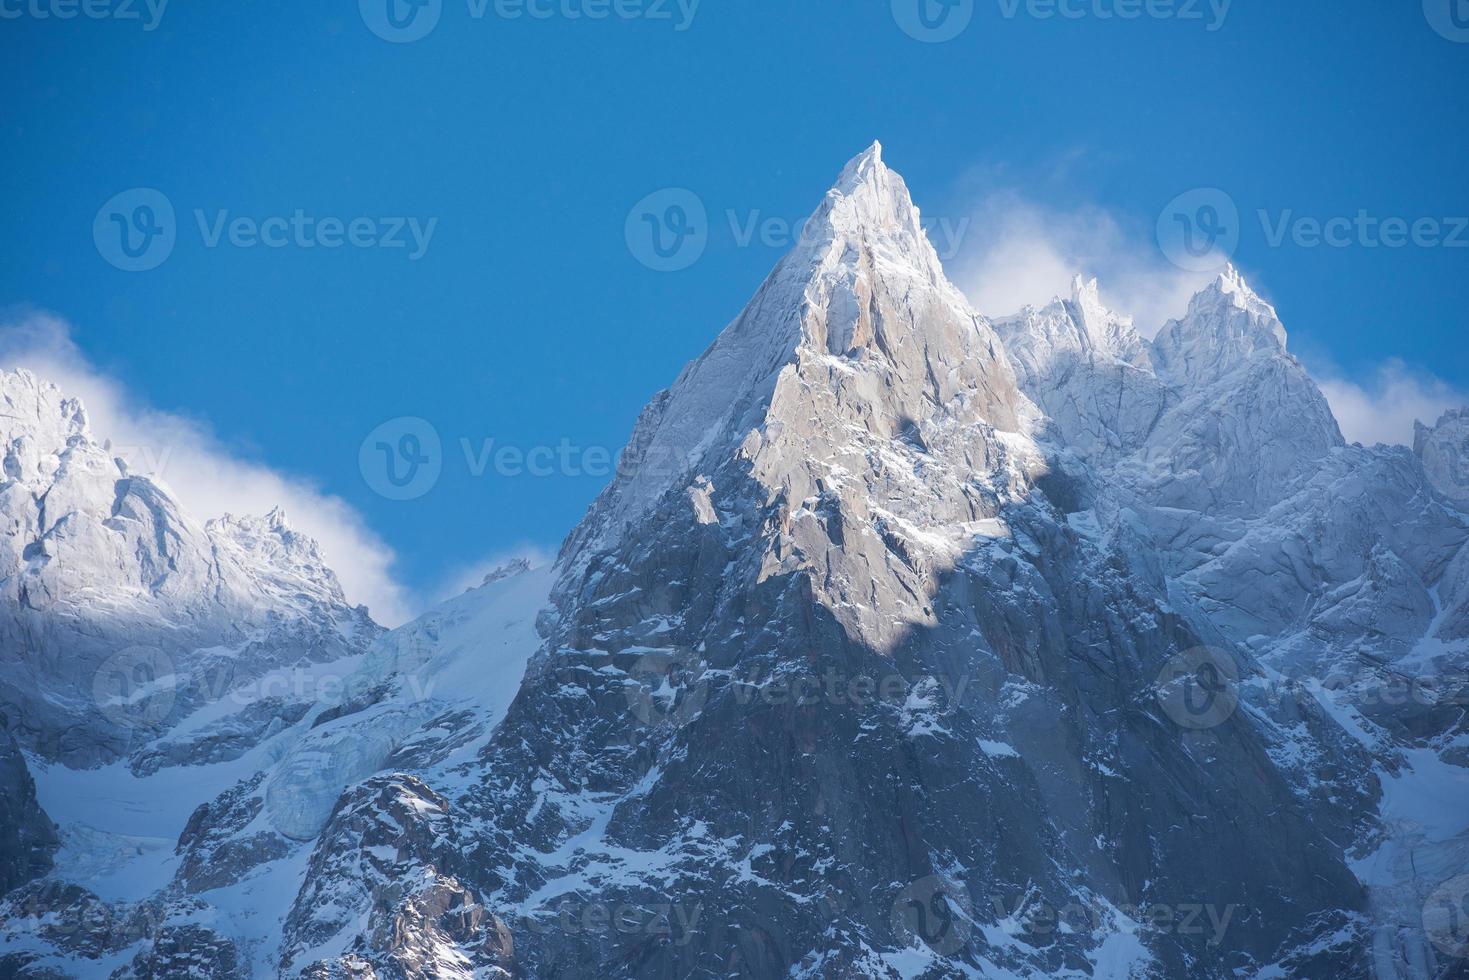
[1019, 252]
[208, 477]
[1384, 408]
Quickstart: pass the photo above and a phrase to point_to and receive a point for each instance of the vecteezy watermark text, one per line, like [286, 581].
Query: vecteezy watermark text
[673, 684]
[1363, 230]
[403, 459]
[1036, 917]
[301, 230]
[1211, 13]
[1200, 229]
[147, 12]
[138, 686]
[937, 21]
[137, 229]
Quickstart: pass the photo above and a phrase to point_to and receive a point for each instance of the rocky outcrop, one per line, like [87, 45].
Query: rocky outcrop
[27, 837]
[184, 951]
[384, 895]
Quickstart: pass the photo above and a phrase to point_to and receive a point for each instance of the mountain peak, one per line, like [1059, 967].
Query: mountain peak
[869, 161]
[1231, 283]
[1105, 325]
[1226, 324]
[870, 203]
[857, 322]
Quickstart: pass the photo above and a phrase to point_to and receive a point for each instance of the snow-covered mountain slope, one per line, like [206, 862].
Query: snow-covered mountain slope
[147, 661]
[198, 864]
[120, 614]
[907, 643]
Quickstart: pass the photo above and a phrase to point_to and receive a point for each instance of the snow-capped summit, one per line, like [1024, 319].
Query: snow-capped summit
[1070, 355]
[856, 486]
[856, 327]
[870, 203]
[1226, 323]
[855, 349]
[1224, 416]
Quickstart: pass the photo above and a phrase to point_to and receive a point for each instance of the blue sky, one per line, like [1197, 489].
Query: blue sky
[519, 144]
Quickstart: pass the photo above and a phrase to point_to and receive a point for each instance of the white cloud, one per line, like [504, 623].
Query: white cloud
[1018, 252]
[207, 477]
[1385, 407]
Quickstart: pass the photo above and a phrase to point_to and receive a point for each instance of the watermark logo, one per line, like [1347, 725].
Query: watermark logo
[933, 21]
[1198, 688]
[305, 231]
[401, 21]
[135, 230]
[135, 687]
[1199, 229]
[1446, 917]
[668, 230]
[402, 458]
[933, 911]
[1450, 18]
[667, 686]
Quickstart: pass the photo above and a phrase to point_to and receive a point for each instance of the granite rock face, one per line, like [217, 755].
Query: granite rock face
[384, 892]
